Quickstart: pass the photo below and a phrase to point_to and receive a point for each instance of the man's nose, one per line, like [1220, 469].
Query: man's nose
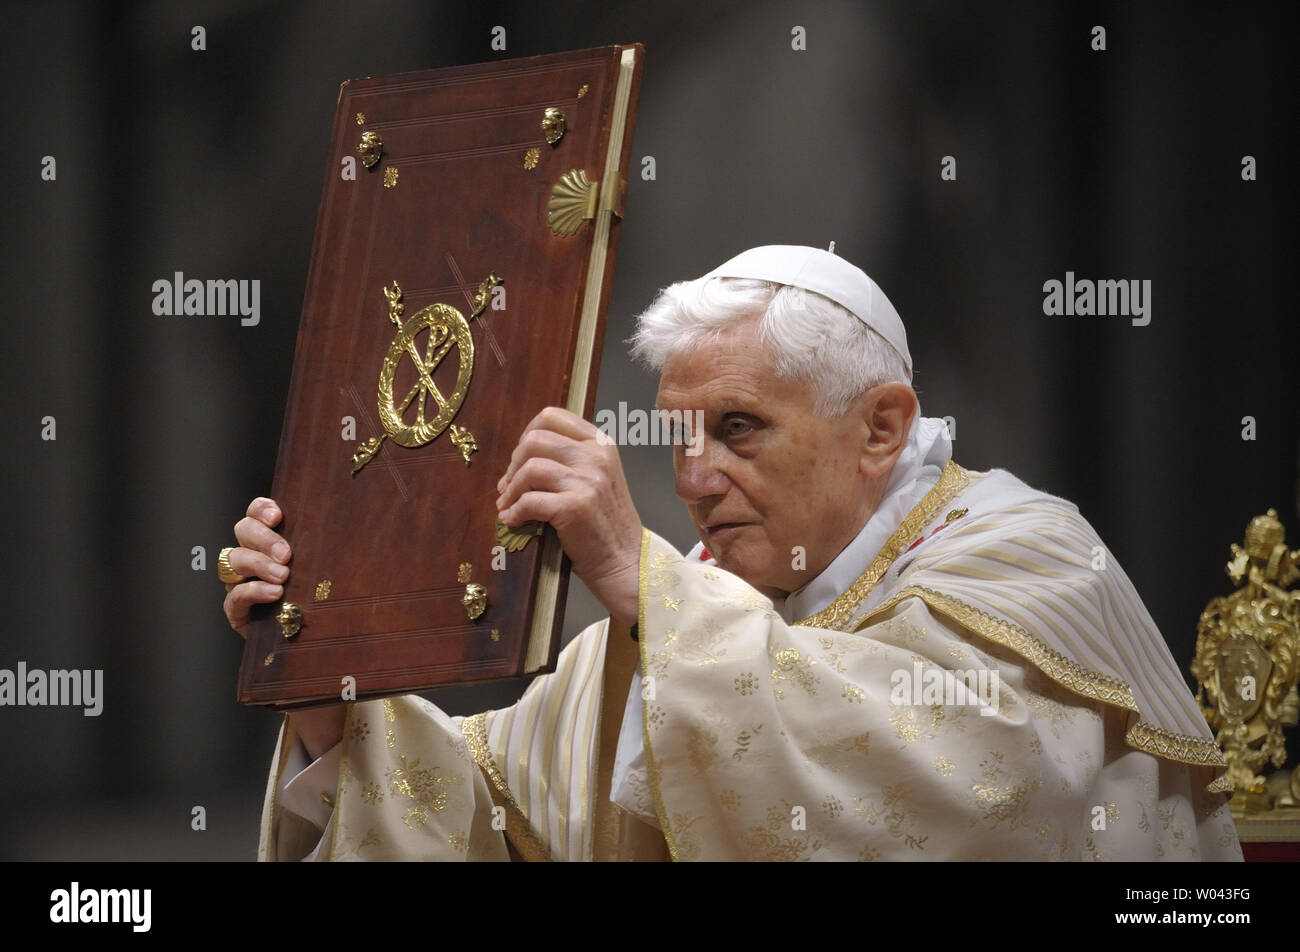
[699, 476]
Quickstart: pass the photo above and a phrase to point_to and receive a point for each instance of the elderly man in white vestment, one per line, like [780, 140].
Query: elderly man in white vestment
[873, 653]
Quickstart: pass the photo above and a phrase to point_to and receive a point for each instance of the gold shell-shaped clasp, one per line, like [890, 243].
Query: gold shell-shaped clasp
[553, 124]
[370, 148]
[573, 201]
[290, 618]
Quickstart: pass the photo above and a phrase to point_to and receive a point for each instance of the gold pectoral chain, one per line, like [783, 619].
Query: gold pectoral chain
[447, 328]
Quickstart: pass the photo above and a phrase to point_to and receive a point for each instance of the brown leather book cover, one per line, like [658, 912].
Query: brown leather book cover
[459, 277]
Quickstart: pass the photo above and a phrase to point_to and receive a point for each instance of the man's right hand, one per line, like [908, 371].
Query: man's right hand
[263, 556]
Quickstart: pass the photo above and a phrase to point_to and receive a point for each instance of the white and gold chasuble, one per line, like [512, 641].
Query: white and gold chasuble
[762, 739]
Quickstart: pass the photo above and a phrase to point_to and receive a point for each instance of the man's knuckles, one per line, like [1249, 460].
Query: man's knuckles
[555, 418]
[264, 510]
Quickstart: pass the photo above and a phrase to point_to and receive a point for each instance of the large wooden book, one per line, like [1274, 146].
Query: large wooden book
[462, 264]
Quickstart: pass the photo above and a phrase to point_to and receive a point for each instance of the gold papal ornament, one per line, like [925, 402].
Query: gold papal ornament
[474, 600]
[1247, 651]
[370, 148]
[446, 328]
[553, 124]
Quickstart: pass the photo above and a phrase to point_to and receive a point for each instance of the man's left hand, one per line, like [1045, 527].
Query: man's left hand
[565, 473]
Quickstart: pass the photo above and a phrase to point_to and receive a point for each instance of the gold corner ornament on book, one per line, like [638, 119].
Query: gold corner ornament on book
[376, 500]
[1247, 662]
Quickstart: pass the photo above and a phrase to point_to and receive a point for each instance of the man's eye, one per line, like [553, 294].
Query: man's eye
[738, 427]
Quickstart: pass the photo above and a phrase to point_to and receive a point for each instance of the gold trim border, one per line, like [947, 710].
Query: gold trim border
[1184, 748]
[953, 481]
[518, 830]
[1173, 746]
[345, 767]
[1221, 785]
[652, 765]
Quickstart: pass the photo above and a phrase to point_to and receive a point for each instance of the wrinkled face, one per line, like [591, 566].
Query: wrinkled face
[771, 477]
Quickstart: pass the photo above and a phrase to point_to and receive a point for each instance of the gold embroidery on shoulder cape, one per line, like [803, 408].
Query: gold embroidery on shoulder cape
[1202, 751]
[955, 480]
[951, 484]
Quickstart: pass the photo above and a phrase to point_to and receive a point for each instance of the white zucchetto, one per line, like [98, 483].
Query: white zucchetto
[826, 274]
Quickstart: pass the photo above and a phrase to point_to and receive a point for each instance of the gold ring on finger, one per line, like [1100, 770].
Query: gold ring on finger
[224, 571]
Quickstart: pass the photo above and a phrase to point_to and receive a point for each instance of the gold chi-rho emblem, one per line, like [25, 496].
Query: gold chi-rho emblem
[446, 328]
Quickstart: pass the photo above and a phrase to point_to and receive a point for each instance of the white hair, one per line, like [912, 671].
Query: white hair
[811, 338]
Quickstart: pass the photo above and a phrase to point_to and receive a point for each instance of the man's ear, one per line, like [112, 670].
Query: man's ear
[887, 414]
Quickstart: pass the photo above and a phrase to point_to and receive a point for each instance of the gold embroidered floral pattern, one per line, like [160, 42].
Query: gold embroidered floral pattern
[349, 846]
[703, 643]
[834, 651]
[659, 661]
[1002, 795]
[893, 807]
[746, 684]
[1054, 713]
[743, 740]
[834, 752]
[424, 786]
[909, 724]
[390, 715]
[661, 578]
[654, 716]
[778, 841]
[1166, 815]
[700, 744]
[793, 668]
[688, 841]
[750, 600]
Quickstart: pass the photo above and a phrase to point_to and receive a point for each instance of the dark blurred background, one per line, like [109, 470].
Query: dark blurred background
[1117, 164]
